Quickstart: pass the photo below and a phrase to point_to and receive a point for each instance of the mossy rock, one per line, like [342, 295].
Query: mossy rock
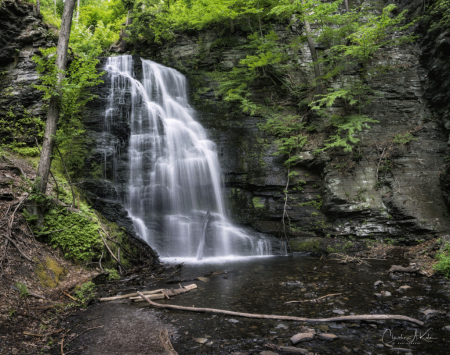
[51, 273]
[308, 245]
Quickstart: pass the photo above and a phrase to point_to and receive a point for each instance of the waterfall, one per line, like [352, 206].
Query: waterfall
[174, 173]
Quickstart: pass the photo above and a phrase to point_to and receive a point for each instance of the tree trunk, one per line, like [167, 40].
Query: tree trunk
[346, 6]
[38, 7]
[55, 101]
[78, 10]
[122, 46]
[315, 58]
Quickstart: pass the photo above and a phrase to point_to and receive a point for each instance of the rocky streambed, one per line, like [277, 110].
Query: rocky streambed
[263, 286]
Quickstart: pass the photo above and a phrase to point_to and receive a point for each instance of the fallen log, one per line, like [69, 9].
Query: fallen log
[398, 268]
[118, 297]
[296, 319]
[166, 293]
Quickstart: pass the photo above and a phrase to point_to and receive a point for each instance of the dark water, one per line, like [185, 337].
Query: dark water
[263, 285]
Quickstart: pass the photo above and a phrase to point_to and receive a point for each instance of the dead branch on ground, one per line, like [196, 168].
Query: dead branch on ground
[295, 319]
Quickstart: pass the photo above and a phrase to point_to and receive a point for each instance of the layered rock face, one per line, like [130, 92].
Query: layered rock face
[22, 33]
[383, 189]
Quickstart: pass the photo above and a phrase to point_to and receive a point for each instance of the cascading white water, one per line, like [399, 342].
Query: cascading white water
[174, 169]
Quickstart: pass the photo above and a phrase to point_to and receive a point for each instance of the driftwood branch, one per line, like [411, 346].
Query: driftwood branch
[166, 293]
[296, 319]
[129, 295]
[164, 337]
[398, 268]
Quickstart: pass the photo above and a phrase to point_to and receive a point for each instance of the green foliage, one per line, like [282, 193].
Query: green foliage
[315, 203]
[77, 233]
[23, 290]
[360, 195]
[112, 274]
[84, 40]
[289, 131]
[20, 127]
[97, 27]
[269, 60]
[443, 262]
[345, 131]
[80, 76]
[439, 14]
[404, 138]
[84, 292]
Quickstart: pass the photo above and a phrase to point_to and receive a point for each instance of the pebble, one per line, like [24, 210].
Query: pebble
[405, 287]
[297, 338]
[386, 293]
[267, 352]
[329, 337]
[201, 340]
[430, 311]
[379, 282]
[339, 311]
[377, 294]
[281, 326]
[233, 321]
[447, 328]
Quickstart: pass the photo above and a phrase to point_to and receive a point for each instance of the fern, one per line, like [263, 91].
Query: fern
[346, 129]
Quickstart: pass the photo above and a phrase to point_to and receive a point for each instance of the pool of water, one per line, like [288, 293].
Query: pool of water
[264, 285]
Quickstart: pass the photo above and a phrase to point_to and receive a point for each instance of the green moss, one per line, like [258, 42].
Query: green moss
[305, 245]
[51, 273]
[258, 202]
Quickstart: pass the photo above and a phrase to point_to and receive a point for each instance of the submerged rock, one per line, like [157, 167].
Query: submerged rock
[300, 337]
[293, 350]
[339, 311]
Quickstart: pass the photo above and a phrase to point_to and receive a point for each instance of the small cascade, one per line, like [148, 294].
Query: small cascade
[174, 185]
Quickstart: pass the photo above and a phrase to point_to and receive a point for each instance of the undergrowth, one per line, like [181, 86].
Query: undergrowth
[443, 264]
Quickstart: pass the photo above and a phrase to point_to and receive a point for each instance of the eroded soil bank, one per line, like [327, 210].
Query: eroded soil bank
[264, 285]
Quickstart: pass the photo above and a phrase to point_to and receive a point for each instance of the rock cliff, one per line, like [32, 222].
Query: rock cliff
[385, 189]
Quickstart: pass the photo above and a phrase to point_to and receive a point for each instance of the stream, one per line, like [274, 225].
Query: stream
[263, 285]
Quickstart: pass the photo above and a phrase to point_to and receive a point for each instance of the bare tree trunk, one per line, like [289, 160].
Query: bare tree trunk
[78, 10]
[55, 101]
[346, 6]
[122, 46]
[38, 7]
[314, 56]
